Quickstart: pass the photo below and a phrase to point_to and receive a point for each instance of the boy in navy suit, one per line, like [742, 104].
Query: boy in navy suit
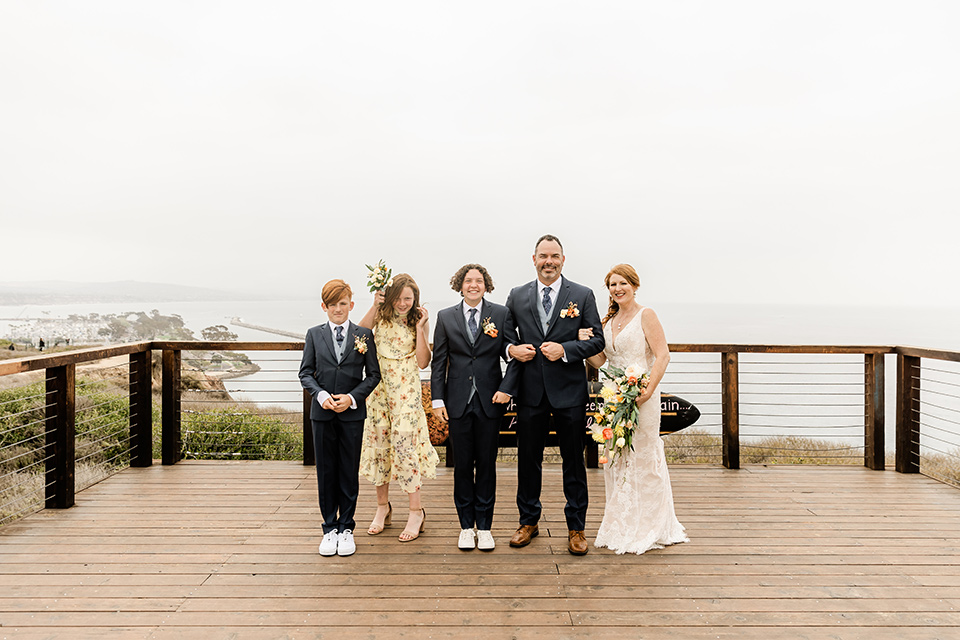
[339, 369]
[469, 390]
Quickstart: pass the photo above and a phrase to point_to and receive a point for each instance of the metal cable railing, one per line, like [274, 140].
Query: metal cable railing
[23, 436]
[938, 415]
[695, 377]
[254, 417]
[794, 408]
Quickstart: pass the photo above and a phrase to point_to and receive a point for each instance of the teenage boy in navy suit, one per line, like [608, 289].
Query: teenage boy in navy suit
[339, 369]
[549, 313]
[469, 390]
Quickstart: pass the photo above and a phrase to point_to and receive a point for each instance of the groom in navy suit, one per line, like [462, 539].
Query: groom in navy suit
[549, 312]
[469, 390]
[339, 369]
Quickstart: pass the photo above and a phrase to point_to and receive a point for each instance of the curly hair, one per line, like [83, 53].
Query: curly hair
[630, 275]
[390, 295]
[456, 282]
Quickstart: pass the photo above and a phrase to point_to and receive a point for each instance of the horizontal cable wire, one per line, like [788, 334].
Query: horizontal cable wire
[799, 415]
[90, 455]
[244, 402]
[934, 449]
[23, 497]
[927, 368]
[788, 363]
[23, 399]
[804, 394]
[29, 466]
[83, 444]
[935, 417]
[793, 404]
[23, 426]
[940, 393]
[944, 453]
[100, 416]
[28, 453]
[34, 508]
[753, 446]
[938, 428]
[40, 408]
[98, 382]
[934, 381]
[122, 453]
[926, 436]
[802, 384]
[273, 413]
[804, 427]
[20, 443]
[102, 404]
[932, 404]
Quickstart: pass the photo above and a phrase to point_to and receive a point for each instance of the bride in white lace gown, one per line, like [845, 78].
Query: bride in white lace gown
[639, 513]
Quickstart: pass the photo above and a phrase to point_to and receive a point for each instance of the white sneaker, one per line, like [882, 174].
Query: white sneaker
[485, 540]
[467, 540]
[345, 545]
[328, 547]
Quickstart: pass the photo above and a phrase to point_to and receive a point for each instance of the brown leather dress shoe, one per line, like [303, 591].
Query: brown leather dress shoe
[524, 535]
[577, 543]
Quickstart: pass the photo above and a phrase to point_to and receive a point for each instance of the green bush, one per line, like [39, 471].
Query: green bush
[237, 433]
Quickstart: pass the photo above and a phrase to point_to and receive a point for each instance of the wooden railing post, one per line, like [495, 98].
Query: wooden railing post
[309, 454]
[60, 449]
[141, 409]
[170, 439]
[874, 452]
[908, 418]
[730, 382]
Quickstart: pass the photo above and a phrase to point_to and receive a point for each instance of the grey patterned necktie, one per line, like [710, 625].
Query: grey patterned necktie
[547, 304]
[339, 331]
[472, 323]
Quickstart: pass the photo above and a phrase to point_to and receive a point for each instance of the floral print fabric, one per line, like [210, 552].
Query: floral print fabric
[396, 440]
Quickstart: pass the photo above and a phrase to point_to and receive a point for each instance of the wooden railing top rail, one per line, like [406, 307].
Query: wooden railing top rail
[36, 363]
[778, 348]
[208, 345]
[935, 354]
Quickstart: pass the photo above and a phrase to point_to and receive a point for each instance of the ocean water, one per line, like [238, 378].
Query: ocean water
[814, 396]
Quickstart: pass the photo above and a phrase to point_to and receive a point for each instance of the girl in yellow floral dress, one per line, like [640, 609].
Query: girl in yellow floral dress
[396, 441]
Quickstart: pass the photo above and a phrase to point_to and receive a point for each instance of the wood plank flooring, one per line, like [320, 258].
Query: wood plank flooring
[229, 550]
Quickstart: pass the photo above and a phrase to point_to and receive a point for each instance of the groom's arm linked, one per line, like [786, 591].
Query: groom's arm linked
[575, 349]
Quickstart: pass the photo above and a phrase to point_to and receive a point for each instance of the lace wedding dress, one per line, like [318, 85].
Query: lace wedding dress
[639, 513]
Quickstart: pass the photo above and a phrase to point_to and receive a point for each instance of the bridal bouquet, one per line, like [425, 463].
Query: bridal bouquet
[614, 426]
[379, 278]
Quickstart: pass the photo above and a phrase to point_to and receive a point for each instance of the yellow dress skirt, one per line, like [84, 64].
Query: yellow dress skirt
[396, 440]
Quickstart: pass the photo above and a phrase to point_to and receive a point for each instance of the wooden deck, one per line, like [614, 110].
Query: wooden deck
[229, 550]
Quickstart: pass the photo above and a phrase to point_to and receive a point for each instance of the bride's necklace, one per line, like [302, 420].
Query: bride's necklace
[624, 321]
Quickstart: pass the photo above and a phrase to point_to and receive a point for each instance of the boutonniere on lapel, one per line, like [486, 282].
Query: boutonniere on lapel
[360, 344]
[571, 311]
[489, 328]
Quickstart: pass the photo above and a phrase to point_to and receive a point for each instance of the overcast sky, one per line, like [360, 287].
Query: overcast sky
[737, 151]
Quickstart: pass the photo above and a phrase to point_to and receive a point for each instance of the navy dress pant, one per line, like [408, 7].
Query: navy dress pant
[474, 437]
[533, 426]
[336, 444]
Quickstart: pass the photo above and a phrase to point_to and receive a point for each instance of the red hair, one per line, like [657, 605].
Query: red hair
[630, 275]
[335, 291]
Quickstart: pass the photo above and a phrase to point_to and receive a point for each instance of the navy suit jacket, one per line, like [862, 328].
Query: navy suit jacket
[564, 383]
[457, 363]
[320, 370]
